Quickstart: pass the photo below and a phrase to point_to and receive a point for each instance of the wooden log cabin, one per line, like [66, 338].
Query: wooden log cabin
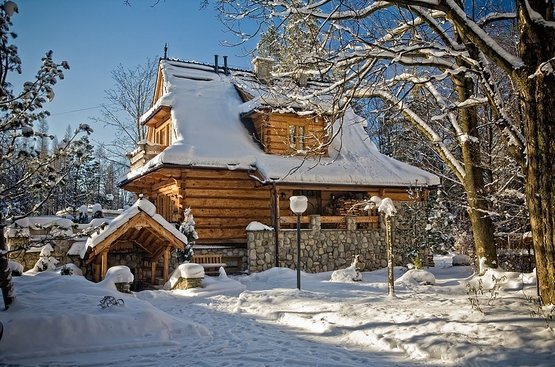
[233, 146]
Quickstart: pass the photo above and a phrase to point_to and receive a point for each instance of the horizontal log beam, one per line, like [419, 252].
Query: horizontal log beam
[329, 219]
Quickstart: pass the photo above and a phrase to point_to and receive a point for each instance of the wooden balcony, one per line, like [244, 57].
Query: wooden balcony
[144, 152]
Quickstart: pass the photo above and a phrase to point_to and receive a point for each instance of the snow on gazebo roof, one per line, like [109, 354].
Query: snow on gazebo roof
[141, 206]
[206, 109]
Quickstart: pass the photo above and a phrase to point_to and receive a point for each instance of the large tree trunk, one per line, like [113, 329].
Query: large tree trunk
[478, 206]
[5, 272]
[537, 88]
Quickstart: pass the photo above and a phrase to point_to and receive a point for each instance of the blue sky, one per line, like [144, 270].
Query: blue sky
[96, 36]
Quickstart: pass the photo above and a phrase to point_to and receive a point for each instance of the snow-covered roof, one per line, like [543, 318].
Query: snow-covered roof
[141, 205]
[206, 109]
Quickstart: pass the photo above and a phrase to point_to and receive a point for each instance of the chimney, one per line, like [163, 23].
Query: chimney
[263, 68]
[216, 64]
[226, 70]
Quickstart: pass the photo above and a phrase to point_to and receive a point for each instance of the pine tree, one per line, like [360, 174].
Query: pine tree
[27, 179]
[187, 227]
[440, 224]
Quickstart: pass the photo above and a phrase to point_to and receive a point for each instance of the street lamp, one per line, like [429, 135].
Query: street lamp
[298, 205]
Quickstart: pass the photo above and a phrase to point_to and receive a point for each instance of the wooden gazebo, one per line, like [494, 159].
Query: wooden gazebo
[138, 238]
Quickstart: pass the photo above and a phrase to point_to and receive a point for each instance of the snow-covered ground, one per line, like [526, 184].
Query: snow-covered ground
[263, 320]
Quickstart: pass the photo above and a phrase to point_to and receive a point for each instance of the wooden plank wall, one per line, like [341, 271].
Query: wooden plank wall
[273, 132]
[224, 202]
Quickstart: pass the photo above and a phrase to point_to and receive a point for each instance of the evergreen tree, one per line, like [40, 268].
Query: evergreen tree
[187, 227]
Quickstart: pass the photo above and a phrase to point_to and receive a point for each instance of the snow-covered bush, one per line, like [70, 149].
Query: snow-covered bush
[440, 229]
[97, 211]
[45, 261]
[15, 267]
[83, 216]
[70, 269]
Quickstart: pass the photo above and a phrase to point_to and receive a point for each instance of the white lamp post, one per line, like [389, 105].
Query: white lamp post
[298, 205]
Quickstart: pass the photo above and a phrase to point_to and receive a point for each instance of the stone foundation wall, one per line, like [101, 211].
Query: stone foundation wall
[322, 249]
[29, 259]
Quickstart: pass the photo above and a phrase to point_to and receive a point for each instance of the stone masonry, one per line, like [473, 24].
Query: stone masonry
[321, 249]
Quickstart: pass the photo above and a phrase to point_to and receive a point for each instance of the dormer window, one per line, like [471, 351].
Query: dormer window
[159, 127]
[296, 138]
[162, 135]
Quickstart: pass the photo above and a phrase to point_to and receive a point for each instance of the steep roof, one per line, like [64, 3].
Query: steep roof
[138, 224]
[206, 108]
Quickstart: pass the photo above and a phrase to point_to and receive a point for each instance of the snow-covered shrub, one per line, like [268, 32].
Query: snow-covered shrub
[416, 262]
[15, 267]
[440, 228]
[83, 216]
[45, 261]
[70, 269]
[97, 211]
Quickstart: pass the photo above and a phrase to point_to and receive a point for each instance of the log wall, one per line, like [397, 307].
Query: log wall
[224, 202]
[273, 132]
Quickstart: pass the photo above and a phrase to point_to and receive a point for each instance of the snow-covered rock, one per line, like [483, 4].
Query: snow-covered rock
[462, 260]
[350, 274]
[417, 276]
[187, 270]
[117, 274]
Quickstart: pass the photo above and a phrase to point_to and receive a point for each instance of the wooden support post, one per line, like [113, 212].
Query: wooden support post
[152, 272]
[166, 264]
[104, 264]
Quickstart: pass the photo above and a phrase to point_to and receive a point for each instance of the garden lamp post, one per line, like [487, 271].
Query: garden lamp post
[298, 205]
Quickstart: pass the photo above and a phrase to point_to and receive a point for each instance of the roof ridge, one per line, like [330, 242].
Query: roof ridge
[193, 62]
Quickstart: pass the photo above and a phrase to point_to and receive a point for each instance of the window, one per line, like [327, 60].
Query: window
[162, 135]
[296, 137]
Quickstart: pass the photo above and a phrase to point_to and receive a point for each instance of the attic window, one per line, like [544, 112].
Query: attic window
[195, 78]
[296, 137]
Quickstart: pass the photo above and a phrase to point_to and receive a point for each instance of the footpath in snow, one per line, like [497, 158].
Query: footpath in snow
[443, 316]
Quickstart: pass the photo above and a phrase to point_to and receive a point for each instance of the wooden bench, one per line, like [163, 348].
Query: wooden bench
[210, 262]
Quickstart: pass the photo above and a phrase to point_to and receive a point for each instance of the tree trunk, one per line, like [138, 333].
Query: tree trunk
[478, 207]
[537, 88]
[5, 272]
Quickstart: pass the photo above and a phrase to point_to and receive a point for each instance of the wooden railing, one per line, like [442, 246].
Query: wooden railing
[338, 220]
[143, 153]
